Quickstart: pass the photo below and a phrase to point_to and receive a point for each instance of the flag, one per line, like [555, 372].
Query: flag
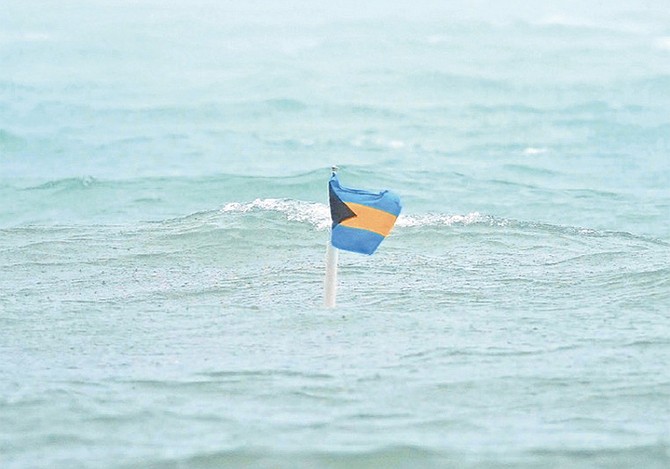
[361, 219]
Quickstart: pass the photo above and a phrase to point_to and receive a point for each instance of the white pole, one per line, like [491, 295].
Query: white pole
[330, 293]
[330, 290]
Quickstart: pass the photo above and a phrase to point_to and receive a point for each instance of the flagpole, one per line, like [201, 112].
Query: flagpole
[330, 290]
[330, 293]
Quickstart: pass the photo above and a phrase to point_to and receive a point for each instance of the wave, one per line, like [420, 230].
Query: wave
[242, 109]
[66, 184]
[25, 36]
[241, 250]
[400, 456]
[403, 455]
[318, 215]
[448, 81]
[294, 210]
[285, 104]
[652, 456]
[580, 26]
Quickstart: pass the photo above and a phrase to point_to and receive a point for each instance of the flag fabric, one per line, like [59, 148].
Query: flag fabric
[361, 219]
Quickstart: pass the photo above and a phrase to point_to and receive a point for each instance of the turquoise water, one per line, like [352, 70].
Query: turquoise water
[163, 171]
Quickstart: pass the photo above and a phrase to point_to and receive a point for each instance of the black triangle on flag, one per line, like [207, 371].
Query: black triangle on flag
[339, 211]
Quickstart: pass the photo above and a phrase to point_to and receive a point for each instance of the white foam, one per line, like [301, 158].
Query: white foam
[663, 43]
[561, 19]
[378, 143]
[534, 151]
[439, 220]
[294, 210]
[319, 214]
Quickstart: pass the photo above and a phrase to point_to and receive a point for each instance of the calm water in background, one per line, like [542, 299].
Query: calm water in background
[163, 174]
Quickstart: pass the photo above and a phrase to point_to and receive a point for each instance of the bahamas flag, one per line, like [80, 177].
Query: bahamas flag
[361, 219]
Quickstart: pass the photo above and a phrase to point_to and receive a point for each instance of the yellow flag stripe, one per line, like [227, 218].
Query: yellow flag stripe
[371, 219]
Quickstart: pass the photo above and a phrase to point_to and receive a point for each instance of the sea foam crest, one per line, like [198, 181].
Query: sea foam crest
[295, 210]
[439, 219]
[318, 214]
[534, 151]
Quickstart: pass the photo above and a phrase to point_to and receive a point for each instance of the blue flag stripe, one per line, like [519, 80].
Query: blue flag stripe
[355, 239]
[383, 200]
